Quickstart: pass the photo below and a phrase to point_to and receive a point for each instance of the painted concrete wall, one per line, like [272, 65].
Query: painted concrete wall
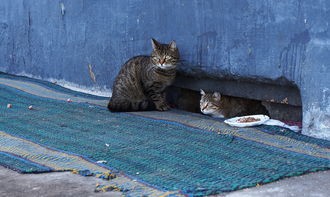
[287, 42]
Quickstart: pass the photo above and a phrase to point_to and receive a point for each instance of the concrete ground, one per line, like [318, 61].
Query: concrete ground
[310, 185]
[13, 184]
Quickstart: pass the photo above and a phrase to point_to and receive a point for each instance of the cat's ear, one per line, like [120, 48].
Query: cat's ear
[202, 92]
[216, 96]
[172, 45]
[155, 44]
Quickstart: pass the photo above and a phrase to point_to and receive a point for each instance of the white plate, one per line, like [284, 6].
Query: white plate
[233, 121]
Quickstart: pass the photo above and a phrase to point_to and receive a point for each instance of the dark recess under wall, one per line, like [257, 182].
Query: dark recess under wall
[283, 102]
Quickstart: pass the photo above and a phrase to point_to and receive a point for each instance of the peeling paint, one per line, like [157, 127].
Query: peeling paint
[294, 55]
[316, 122]
[321, 42]
[62, 9]
[91, 73]
[96, 90]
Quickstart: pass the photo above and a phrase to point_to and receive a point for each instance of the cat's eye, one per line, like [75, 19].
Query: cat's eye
[205, 106]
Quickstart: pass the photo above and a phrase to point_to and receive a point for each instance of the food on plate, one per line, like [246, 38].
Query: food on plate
[247, 119]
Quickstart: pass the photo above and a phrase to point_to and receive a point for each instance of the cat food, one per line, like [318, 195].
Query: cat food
[247, 119]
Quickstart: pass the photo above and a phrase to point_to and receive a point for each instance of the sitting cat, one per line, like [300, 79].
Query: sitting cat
[141, 82]
[219, 106]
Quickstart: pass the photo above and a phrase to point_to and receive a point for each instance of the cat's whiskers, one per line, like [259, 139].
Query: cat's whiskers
[142, 80]
[225, 107]
[205, 106]
[166, 66]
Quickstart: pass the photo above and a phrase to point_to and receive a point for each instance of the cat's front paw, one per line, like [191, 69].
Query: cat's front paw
[162, 107]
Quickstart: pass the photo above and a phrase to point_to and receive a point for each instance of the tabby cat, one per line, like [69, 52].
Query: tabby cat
[220, 106]
[141, 82]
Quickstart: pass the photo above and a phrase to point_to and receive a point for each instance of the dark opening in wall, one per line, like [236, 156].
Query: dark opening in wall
[283, 102]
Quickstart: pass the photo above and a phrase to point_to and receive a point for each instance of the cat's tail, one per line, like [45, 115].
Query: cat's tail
[126, 106]
[274, 122]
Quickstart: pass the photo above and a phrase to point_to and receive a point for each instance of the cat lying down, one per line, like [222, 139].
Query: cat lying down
[218, 106]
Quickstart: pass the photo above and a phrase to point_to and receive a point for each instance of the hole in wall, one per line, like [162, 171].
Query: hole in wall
[282, 102]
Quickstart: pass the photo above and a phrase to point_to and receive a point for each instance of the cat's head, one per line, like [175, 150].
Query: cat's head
[210, 103]
[164, 56]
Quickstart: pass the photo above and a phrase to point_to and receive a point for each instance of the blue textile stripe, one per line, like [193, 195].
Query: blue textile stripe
[45, 84]
[21, 165]
[171, 154]
[27, 157]
[59, 161]
[48, 92]
[282, 138]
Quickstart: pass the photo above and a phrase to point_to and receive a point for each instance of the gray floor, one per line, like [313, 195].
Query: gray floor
[310, 185]
[13, 184]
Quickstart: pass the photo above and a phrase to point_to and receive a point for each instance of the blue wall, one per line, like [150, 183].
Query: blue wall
[237, 38]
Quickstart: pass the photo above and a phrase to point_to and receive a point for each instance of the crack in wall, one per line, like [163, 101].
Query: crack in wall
[293, 56]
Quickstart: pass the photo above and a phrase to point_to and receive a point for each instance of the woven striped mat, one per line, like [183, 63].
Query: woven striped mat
[144, 153]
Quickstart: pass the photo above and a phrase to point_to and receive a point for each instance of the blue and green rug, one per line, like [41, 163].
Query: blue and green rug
[163, 151]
